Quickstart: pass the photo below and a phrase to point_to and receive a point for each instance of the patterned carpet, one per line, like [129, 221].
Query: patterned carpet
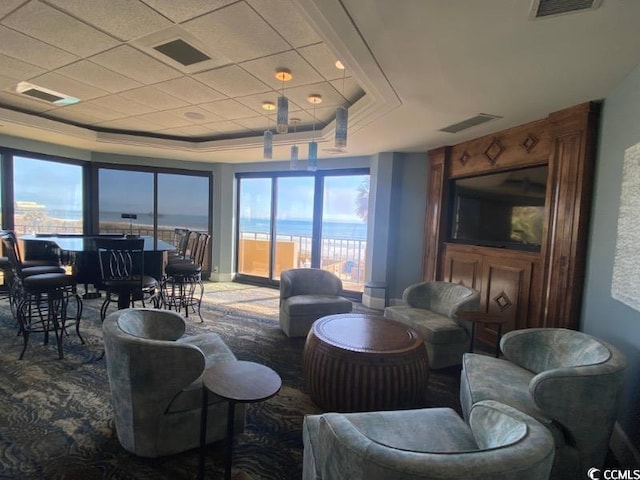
[56, 418]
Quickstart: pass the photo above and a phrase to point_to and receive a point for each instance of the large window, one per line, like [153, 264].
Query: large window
[48, 196]
[291, 220]
[153, 203]
[125, 201]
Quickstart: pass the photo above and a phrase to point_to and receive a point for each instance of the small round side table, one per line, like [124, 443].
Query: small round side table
[238, 382]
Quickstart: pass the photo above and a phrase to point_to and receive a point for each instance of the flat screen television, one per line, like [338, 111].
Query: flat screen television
[504, 210]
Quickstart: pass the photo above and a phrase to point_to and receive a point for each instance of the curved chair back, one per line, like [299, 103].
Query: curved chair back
[444, 298]
[502, 443]
[309, 281]
[576, 383]
[147, 368]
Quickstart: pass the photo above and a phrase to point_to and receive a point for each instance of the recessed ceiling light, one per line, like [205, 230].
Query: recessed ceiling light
[268, 106]
[339, 65]
[194, 116]
[314, 99]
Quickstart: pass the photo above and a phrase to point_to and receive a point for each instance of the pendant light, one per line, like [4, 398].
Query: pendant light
[312, 164]
[342, 115]
[282, 122]
[268, 134]
[293, 160]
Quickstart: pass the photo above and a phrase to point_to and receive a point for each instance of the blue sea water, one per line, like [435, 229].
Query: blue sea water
[335, 230]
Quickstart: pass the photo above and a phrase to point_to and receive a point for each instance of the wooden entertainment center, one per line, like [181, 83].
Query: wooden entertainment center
[528, 288]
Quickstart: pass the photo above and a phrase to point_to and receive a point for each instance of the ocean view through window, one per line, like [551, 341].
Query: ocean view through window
[315, 220]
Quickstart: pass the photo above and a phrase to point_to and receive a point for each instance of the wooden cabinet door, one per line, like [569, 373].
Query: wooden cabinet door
[463, 268]
[506, 288]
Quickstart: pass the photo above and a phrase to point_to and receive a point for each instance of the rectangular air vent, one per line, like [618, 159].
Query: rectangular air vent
[549, 8]
[45, 94]
[180, 51]
[469, 122]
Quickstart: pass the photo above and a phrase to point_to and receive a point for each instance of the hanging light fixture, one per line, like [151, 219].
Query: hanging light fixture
[268, 134]
[312, 164]
[293, 160]
[282, 122]
[342, 115]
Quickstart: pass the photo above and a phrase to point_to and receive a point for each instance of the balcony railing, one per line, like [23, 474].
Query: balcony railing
[343, 257]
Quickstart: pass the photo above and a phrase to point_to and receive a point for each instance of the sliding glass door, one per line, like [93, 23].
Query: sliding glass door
[254, 227]
[293, 220]
[344, 228]
[294, 223]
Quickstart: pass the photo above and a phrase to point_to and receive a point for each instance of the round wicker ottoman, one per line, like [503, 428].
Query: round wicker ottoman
[355, 362]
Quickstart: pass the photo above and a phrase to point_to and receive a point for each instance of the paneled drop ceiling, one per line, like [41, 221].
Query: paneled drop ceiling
[414, 68]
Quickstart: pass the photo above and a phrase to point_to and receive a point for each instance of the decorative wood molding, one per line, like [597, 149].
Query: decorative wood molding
[532, 289]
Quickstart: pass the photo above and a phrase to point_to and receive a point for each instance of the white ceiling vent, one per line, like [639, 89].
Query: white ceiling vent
[551, 8]
[469, 122]
[45, 94]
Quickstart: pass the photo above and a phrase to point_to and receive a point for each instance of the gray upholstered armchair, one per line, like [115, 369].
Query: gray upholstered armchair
[499, 443]
[155, 378]
[430, 308]
[568, 380]
[306, 294]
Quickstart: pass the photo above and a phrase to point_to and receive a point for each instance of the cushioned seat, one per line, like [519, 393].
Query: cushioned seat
[306, 294]
[433, 443]
[155, 376]
[568, 380]
[430, 308]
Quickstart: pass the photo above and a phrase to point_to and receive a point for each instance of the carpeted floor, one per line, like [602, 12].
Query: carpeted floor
[56, 418]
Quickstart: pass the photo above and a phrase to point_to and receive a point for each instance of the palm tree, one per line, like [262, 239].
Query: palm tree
[362, 200]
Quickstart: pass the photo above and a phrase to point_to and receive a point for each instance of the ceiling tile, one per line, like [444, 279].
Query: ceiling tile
[254, 102]
[232, 81]
[68, 86]
[189, 90]
[323, 60]
[98, 76]
[14, 68]
[229, 109]
[135, 124]
[238, 33]
[58, 29]
[182, 10]
[165, 119]
[85, 113]
[20, 101]
[134, 64]
[299, 95]
[7, 6]
[257, 123]
[287, 20]
[30, 50]
[134, 18]
[265, 69]
[121, 104]
[205, 116]
[189, 131]
[226, 126]
[7, 82]
[155, 98]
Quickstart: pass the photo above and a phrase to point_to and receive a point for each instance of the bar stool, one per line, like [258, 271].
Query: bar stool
[122, 274]
[184, 276]
[42, 300]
